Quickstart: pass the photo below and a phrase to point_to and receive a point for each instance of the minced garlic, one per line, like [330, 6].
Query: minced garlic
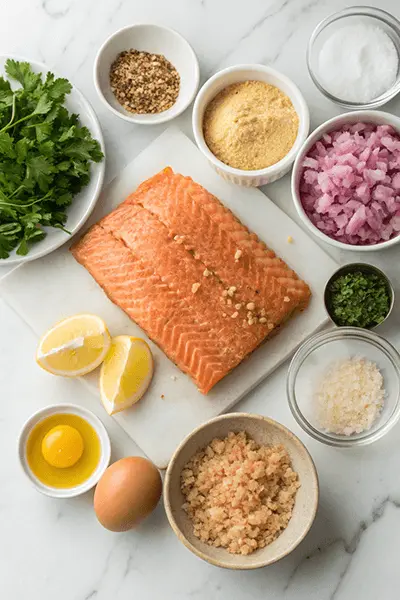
[195, 287]
[250, 125]
[349, 396]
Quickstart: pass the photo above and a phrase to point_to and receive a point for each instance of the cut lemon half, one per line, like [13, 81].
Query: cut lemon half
[125, 373]
[74, 346]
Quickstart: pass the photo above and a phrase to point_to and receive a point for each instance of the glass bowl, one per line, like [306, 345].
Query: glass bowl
[312, 359]
[349, 16]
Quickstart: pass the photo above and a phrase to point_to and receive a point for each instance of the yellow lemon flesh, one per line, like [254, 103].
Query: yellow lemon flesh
[74, 346]
[62, 446]
[125, 373]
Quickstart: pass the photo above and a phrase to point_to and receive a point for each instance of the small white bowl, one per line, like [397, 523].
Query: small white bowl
[157, 40]
[237, 74]
[104, 443]
[366, 116]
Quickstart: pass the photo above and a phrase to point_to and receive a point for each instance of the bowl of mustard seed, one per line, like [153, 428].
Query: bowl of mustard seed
[146, 74]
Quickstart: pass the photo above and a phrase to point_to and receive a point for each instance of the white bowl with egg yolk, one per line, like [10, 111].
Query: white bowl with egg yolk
[93, 421]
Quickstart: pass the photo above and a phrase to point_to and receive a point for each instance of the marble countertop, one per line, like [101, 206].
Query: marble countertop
[53, 549]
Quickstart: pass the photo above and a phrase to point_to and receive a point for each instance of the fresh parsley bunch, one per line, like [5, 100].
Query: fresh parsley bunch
[45, 157]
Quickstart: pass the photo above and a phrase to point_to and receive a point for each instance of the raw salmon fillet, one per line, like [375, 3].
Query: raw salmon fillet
[204, 288]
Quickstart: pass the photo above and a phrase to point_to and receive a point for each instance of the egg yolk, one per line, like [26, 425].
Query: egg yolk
[41, 456]
[62, 446]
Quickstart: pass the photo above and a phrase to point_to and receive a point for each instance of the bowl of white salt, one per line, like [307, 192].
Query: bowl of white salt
[353, 57]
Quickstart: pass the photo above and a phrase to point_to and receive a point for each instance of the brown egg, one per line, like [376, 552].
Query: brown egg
[128, 492]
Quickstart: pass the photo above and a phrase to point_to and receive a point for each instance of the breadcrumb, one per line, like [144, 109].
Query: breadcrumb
[195, 287]
[239, 495]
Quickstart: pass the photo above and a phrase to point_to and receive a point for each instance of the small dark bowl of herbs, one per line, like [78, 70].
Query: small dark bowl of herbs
[359, 295]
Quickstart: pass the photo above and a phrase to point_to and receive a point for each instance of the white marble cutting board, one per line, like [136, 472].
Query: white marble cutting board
[172, 407]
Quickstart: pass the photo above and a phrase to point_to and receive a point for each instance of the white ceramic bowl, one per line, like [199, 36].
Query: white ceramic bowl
[84, 202]
[240, 73]
[368, 116]
[104, 443]
[158, 40]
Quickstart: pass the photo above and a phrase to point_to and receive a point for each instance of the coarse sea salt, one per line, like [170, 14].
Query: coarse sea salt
[358, 63]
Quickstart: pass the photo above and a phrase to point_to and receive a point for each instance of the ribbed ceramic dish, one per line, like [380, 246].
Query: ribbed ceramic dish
[237, 74]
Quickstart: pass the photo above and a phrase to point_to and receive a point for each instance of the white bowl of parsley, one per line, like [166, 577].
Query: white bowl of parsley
[51, 160]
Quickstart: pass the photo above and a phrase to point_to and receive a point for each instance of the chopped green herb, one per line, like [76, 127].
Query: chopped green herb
[45, 157]
[359, 300]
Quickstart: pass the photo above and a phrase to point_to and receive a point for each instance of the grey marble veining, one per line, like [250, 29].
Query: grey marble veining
[53, 549]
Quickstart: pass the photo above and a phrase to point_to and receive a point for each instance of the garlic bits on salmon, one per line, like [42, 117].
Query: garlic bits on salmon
[74, 346]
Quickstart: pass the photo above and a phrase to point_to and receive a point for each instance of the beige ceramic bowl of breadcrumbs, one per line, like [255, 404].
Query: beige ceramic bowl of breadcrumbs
[264, 432]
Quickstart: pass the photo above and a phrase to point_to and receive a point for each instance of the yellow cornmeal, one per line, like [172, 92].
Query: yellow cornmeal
[250, 125]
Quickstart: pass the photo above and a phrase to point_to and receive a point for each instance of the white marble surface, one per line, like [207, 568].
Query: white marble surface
[53, 549]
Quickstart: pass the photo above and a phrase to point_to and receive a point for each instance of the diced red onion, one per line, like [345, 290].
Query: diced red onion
[350, 184]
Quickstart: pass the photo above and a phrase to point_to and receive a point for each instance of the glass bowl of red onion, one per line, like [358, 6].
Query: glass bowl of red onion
[353, 57]
[346, 181]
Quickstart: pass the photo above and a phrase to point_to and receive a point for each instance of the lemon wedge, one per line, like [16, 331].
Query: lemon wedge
[125, 373]
[74, 346]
